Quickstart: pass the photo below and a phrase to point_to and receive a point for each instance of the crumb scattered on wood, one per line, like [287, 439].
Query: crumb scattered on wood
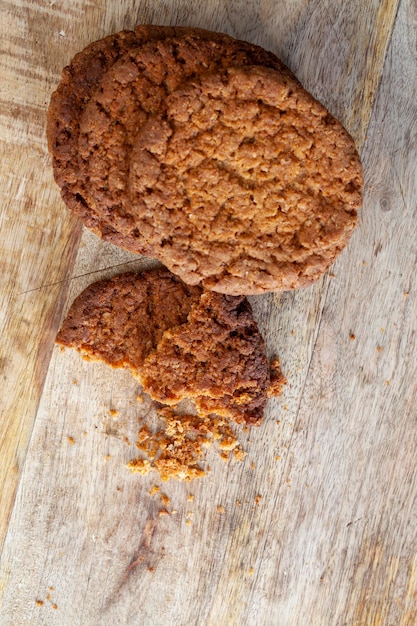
[165, 499]
[277, 378]
[177, 450]
[71, 440]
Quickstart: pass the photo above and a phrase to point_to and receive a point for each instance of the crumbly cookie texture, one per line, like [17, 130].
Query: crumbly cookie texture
[217, 358]
[247, 184]
[122, 319]
[179, 341]
[133, 89]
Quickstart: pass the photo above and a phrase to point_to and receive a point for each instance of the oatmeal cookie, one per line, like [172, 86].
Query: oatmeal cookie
[122, 319]
[247, 184]
[132, 90]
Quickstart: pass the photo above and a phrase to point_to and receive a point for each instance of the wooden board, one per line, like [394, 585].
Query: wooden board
[333, 536]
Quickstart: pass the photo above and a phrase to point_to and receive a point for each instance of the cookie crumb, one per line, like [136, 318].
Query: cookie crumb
[277, 378]
[220, 509]
[113, 412]
[71, 440]
[352, 336]
[155, 489]
[258, 499]
[39, 602]
[176, 450]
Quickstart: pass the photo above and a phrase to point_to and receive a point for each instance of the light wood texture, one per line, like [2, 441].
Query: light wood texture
[332, 541]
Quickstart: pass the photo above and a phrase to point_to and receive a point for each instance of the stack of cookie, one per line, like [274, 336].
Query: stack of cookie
[206, 153]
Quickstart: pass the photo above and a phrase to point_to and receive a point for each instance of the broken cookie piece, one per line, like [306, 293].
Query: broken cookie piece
[179, 341]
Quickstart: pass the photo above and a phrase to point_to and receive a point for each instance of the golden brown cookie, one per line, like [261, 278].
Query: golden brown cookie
[217, 358]
[247, 184]
[120, 320]
[134, 88]
[179, 341]
[79, 80]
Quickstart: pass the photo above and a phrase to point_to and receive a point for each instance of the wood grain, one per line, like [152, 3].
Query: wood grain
[332, 536]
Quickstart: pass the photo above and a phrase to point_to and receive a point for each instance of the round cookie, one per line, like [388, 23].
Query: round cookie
[217, 358]
[247, 184]
[133, 89]
[79, 80]
[122, 319]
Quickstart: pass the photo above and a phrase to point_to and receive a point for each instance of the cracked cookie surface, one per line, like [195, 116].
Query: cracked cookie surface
[247, 184]
[122, 319]
[179, 341]
[217, 359]
[135, 88]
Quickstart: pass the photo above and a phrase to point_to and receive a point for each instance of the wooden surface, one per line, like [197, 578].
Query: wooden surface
[332, 540]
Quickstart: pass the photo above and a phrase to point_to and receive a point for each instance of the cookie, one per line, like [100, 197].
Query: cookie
[122, 319]
[132, 90]
[79, 80]
[179, 341]
[217, 358]
[247, 184]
